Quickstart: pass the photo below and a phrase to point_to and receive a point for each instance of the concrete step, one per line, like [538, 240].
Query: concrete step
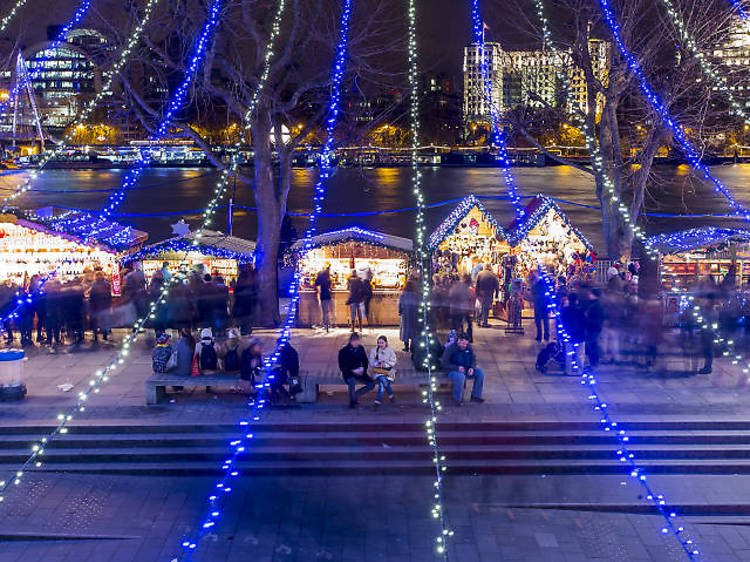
[416, 437]
[401, 466]
[380, 453]
[386, 424]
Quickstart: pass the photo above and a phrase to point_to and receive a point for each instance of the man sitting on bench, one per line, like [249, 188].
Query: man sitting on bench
[461, 362]
[353, 364]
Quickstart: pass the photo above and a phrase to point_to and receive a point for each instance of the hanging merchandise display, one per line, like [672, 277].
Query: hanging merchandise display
[700, 258]
[217, 254]
[381, 258]
[34, 245]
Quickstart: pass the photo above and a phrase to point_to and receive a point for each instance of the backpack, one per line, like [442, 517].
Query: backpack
[208, 359]
[160, 358]
[232, 360]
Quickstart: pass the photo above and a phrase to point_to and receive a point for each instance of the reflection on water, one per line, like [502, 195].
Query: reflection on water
[357, 190]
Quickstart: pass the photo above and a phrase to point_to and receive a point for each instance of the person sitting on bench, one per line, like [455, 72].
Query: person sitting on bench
[461, 362]
[353, 364]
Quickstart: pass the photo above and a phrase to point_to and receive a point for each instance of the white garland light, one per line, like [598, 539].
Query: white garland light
[708, 69]
[438, 509]
[101, 376]
[91, 104]
[7, 19]
[597, 160]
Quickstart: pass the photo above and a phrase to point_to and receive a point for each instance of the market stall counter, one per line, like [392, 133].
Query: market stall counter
[68, 243]
[382, 258]
[217, 252]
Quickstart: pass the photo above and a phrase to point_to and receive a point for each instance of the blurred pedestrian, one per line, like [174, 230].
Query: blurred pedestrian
[408, 306]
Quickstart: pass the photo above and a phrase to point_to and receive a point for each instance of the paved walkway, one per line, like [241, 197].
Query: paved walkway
[352, 517]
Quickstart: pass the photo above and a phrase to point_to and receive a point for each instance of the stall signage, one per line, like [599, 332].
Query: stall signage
[116, 286]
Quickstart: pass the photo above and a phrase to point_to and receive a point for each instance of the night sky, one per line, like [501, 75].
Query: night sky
[444, 25]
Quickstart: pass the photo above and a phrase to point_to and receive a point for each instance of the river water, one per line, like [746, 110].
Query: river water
[183, 190]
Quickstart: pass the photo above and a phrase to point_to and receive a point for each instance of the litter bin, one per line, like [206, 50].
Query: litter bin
[12, 386]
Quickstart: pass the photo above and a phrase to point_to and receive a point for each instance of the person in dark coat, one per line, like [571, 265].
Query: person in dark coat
[356, 300]
[100, 301]
[460, 360]
[179, 306]
[159, 322]
[53, 311]
[367, 294]
[574, 321]
[244, 299]
[408, 308]
[8, 294]
[205, 298]
[72, 309]
[220, 308]
[353, 364]
[594, 323]
[541, 311]
[323, 283]
[286, 370]
[487, 285]
[462, 298]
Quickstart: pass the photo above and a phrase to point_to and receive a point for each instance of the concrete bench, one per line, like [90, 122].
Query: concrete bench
[156, 386]
[311, 382]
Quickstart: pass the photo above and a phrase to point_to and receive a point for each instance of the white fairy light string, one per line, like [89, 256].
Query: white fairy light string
[427, 336]
[91, 105]
[5, 22]
[708, 69]
[624, 454]
[597, 161]
[60, 38]
[103, 375]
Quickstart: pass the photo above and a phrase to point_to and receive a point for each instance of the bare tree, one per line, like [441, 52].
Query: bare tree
[297, 90]
[629, 132]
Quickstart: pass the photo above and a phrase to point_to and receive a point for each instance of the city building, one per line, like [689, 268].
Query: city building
[733, 55]
[62, 79]
[526, 78]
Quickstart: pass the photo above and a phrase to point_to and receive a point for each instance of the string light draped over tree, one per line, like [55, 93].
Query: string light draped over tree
[175, 104]
[130, 43]
[238, 446]
[588, 379]
[60, 38]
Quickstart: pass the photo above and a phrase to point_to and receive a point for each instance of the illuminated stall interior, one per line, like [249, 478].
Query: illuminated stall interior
[689, 257]
[69, 243]
[545, 234]
[217, 252]
[468, 235]
[381, 257]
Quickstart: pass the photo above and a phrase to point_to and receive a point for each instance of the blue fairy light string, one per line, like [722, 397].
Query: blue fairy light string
[175, 105]
[737, 4]
[600, 406]
[91, 105]
[238, 446]
[60, 38]
[101, 376]
[655, 100]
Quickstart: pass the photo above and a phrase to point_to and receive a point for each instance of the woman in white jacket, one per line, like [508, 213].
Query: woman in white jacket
[383, 363]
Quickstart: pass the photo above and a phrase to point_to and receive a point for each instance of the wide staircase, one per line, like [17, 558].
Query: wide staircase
[385, 448]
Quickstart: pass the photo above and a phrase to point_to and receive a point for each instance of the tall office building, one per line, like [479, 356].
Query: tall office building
[732, 55]
[527, 78]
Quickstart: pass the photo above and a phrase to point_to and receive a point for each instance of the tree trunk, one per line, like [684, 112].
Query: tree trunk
[269, 219]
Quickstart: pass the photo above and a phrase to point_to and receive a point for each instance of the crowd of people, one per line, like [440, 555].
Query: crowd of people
[63, 312]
